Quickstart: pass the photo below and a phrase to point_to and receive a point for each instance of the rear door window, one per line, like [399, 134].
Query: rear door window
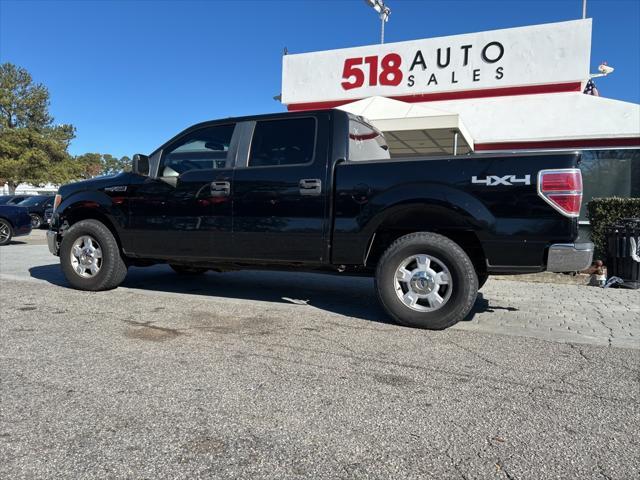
[283, 142]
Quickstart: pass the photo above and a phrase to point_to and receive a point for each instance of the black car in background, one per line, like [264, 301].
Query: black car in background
[36, 205]
[14, 222]
[12, 199]
[48, 213]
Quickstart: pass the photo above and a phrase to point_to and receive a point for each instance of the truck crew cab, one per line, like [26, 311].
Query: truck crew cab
[318, 191]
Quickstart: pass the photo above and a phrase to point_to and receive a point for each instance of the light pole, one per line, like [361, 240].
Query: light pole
[383, 12]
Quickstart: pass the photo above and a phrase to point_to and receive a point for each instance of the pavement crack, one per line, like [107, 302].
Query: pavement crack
[358, 358]
[476, 354]
[602, 473]
[579, 351]
[501, 468]
[334, 341]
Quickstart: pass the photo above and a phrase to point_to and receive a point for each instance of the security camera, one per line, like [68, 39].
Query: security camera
[605, 69]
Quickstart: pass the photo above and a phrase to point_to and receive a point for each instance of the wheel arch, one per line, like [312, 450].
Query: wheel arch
[11, 227]
[81, 211]
[6, 219]
[90, 204]
[453, 222]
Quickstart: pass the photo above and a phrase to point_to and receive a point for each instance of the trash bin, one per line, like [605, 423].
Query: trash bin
[623, 251]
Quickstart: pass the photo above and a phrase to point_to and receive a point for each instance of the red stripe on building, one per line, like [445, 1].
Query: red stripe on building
[464, 94]
[551, 144]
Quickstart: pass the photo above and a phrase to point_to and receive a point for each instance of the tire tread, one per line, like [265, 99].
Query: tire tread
[443, 243]
[116, 268]
[8, 224]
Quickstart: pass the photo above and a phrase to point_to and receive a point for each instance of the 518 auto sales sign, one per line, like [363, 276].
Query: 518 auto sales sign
[551, 54]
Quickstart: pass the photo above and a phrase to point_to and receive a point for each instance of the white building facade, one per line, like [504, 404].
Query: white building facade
[504, 90]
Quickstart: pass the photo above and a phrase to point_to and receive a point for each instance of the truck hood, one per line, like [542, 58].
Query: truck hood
[97, 183]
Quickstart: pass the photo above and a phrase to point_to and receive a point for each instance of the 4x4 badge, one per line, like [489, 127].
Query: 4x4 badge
[494, 180]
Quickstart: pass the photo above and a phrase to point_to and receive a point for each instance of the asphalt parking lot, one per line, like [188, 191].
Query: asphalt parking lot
[283, 375]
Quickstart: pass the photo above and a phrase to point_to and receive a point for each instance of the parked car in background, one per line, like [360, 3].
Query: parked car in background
[14, 222]
[48, 213]
[12, 199]
[36, 206]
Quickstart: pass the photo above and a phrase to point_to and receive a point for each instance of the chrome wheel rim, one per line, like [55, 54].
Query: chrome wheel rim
[5, 233]
[423, 283]
[86, 256]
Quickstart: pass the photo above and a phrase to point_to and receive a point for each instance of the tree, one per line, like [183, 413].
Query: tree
[92, 164]
[111, 164]
[32, 148]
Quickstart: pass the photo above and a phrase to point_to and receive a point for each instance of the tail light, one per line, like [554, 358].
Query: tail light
[56, 202]
[562, 189]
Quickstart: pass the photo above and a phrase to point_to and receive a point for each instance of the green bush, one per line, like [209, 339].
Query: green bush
[604, 212]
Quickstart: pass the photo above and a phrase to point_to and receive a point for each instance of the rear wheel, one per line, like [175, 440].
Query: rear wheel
[184, 270]
[36, 221]
[6, 232]
[426, 280]
[90, 257]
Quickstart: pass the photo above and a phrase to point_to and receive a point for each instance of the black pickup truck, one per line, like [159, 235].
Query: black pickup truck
[318, 191]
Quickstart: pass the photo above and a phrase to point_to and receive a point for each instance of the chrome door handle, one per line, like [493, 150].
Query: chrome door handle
[310, 187]
[220, 189]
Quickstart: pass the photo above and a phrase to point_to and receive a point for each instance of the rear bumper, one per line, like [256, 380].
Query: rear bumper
[52, 242]
[569, 257]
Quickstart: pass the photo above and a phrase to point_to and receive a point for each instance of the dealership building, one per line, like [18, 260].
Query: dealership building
[511, 90]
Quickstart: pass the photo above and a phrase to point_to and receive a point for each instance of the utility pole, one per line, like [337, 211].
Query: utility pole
[584, 9]
[383, 12]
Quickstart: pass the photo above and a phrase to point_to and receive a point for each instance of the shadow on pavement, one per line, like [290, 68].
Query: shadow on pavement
[349, 296]
[482, 305]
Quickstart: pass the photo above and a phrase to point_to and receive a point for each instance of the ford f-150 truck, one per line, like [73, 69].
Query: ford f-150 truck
[319, 191]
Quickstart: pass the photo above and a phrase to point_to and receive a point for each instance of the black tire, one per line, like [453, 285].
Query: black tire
[482, 279]
[36, 221]
[6, 232]
[113, 269]
[184, 270]
[463, 281]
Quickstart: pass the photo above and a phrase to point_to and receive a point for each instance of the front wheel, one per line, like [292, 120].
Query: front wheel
[36, 221]
[90, 257]
[6, 232]
[426, 280]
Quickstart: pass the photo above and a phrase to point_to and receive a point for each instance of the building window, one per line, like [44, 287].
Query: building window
[609, 173]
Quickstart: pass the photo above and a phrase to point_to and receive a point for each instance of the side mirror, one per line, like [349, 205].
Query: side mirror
[140, 164]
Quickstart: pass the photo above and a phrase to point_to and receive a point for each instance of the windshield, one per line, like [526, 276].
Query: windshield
[33, 201]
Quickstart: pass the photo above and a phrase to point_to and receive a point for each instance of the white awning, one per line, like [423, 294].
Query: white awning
[412, 129]
[546, 118]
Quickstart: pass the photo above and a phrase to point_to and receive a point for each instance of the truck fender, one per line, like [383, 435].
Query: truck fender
[96, 201]
[436, 205]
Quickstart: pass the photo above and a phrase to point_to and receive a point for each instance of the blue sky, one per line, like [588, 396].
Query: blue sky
[131, 74]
